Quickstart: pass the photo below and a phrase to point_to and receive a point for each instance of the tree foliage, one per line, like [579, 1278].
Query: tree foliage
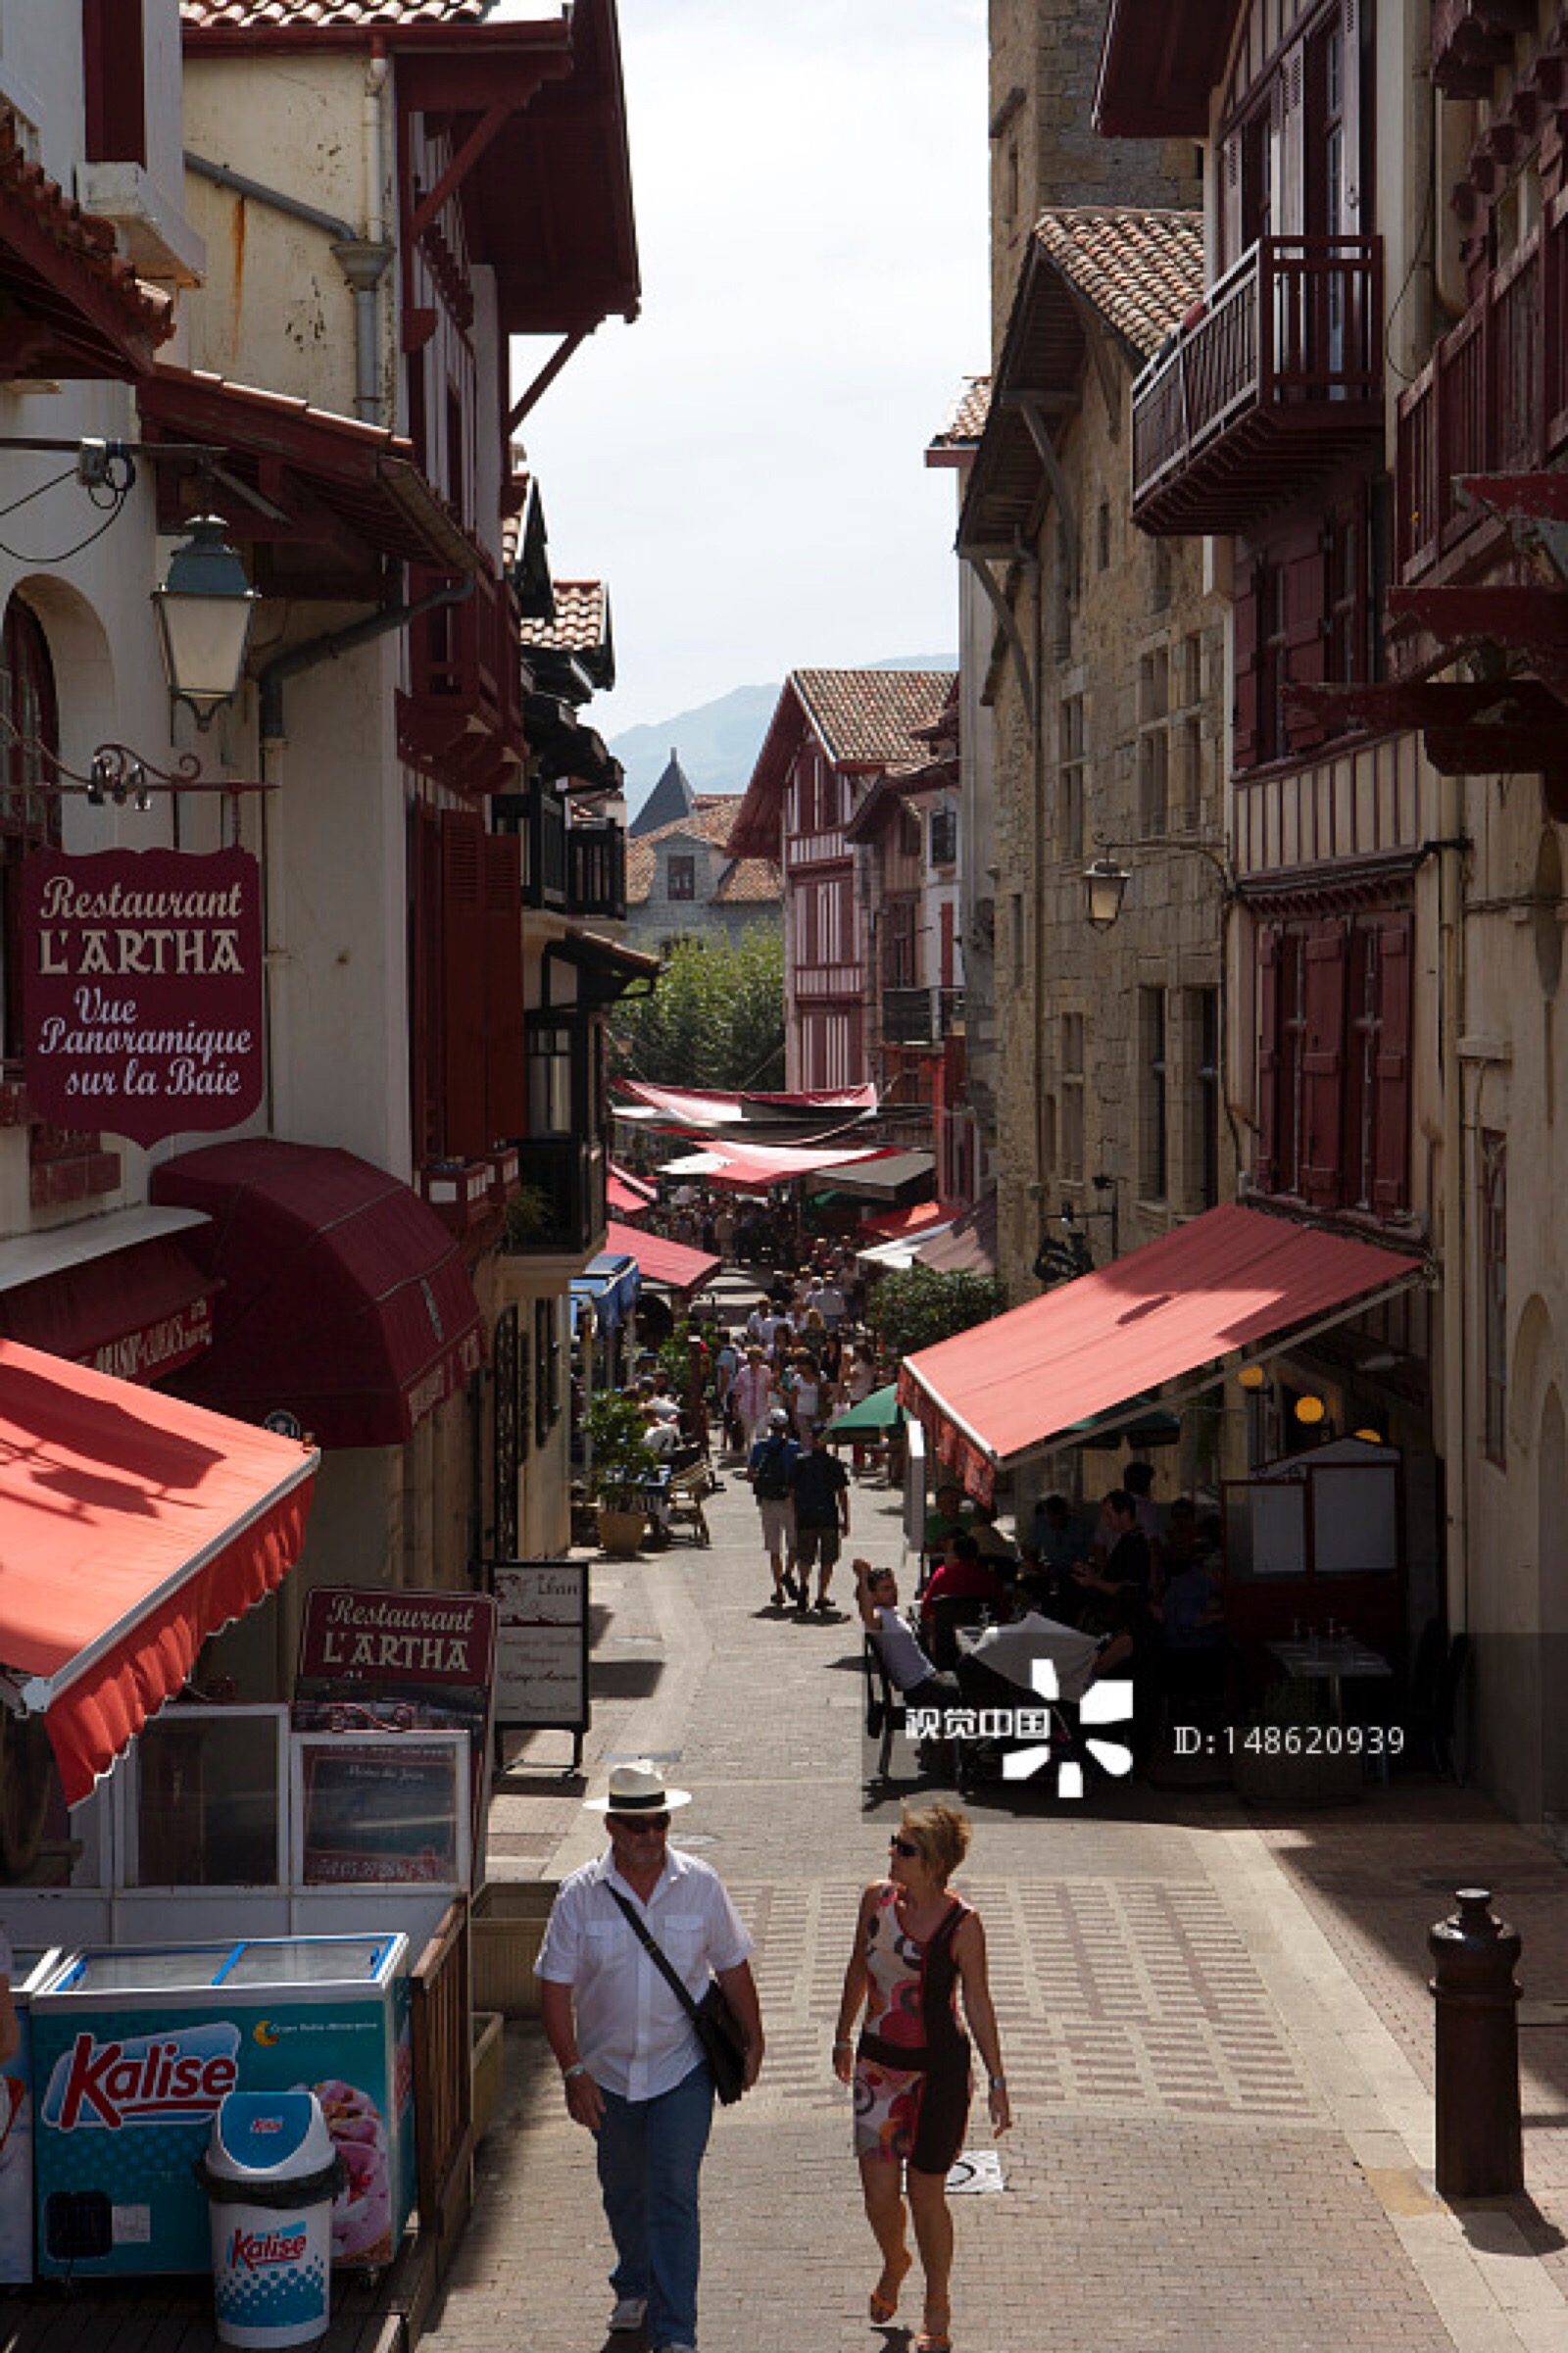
[916, 1306]
[715, 1019]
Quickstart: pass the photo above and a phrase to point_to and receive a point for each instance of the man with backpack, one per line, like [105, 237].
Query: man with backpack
[772, 1464]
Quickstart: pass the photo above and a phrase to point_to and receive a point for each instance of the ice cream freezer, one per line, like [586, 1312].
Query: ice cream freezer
[30, 1968]
[133, 2052]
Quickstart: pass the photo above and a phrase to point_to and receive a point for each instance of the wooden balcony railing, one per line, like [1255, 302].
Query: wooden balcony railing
[461, 717]
[920, 1016]
[596, 871]
[570, 1176]
[1491, 400]
[1275, 383]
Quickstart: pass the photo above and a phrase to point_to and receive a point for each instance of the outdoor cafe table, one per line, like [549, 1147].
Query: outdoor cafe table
[1332, 1662]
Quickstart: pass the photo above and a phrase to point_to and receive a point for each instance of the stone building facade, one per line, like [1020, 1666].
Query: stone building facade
[682, 882]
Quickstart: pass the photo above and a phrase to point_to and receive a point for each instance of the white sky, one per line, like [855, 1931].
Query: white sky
[745, 464]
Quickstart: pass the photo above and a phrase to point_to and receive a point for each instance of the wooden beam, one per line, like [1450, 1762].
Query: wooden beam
[547, 375]
[1007, 622]
[1046, 449]
[1508, 615]
[493, 120]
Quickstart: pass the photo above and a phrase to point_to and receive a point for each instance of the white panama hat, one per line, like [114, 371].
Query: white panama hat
[638, 1789]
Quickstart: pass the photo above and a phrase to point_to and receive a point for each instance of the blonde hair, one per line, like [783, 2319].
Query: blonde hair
[942, 1834]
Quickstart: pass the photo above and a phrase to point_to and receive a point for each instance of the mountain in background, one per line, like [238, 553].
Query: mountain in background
[719, 742]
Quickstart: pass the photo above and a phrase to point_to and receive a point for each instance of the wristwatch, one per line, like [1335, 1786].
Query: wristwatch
[997, 2083]
[579, 2067]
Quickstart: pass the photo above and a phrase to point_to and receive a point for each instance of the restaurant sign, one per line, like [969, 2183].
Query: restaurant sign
[142, 990]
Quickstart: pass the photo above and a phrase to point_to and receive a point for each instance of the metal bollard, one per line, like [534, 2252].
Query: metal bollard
[1480, 2139]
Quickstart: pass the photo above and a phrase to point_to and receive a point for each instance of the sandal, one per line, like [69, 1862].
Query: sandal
[884, 2307]
[934, 2341]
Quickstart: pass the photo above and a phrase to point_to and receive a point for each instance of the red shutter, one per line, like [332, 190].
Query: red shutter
[424, 981]
[505, 1058]
[1245, 643]
[946, 949]
[463, 1134]
[115, 81]
[1306, 586]
[1390, 1115]
[1266, 1150]
[1323, 1064]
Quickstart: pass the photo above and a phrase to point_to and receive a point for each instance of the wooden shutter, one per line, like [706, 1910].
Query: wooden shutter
[1266, 1150]
[506, 1039]
[1231, 197]
[1390, 1130]
[425, 982]
[945, 965]
[1349, 222]
[1323, 1062]
[1306, 594]
[1244, 715]
[463, 1134]
[1289, 210]
[113, 81]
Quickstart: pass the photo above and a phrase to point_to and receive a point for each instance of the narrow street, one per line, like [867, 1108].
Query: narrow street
[1215, 2026]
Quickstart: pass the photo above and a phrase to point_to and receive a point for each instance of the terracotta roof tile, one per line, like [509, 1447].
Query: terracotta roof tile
[1141, 269]
[84, 237]
[967, 420]
[871, 715]
[748, 881]
[203, 15]
[581, 618]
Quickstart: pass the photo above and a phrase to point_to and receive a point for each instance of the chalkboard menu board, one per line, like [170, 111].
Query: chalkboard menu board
[374, 1810]
[542, 1645]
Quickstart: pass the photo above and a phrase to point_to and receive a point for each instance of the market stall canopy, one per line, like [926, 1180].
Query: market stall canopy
[132, 1527]
[916, 1224]
[1231, 1279]
[873, 1417]
[893, 1176]
[967, 1246]
[610, 1285]
[740, 1117]
[669, 1264]
[898, 1253]
[757, 1167]
[345, 1301]
[619, 1196]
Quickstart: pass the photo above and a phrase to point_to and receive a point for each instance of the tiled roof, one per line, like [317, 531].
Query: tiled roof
[967, 419]
[83, 241]
[582, 614]
[203, 15]
[1140, 269]
[870, 715]
[748, 881]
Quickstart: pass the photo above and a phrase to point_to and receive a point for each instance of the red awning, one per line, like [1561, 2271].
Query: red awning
[1230, 1279]
[668, 1262]
[894, 1224]
[345, 1301]
[637, 1187]
[113, 1291]
[756, 1167]
[132, 1527]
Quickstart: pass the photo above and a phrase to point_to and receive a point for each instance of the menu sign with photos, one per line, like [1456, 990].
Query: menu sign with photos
[542, 1645]
[142, 990]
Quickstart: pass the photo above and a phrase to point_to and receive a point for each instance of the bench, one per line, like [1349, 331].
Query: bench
[683, 1501]
[884, 1708]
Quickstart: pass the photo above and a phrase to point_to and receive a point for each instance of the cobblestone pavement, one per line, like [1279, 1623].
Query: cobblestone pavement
[1217, 2034]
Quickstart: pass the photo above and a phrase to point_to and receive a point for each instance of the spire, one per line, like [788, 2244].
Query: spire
[671, 798]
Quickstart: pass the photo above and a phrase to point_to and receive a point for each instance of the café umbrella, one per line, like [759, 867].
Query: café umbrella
[872, 1417]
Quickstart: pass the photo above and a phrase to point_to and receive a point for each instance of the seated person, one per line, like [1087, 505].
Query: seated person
[988, 1537]
[662, 1438]
[951, 1514]
[962, 1577]
[1061, 1536]
[909, 1671]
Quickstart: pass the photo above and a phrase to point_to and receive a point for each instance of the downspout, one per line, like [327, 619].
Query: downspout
[1037, 798]
[363, 261]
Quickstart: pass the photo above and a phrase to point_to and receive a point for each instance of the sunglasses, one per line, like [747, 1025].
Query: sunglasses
[638, 1822]
[904, 1846]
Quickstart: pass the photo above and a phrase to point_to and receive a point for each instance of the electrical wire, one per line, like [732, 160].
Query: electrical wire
[114, 491]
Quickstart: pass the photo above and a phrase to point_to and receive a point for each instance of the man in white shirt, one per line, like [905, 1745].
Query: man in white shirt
[630, 2061]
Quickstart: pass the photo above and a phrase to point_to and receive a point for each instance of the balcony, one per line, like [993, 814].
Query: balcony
[596, 871]
[561, 1182]
[1278, 381]
[1493, 400]
[920, 1016]
[461, 719]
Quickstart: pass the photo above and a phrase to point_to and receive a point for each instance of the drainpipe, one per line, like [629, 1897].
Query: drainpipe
[363, 261]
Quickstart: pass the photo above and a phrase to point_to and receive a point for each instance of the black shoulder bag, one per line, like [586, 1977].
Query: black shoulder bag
[718, 2029]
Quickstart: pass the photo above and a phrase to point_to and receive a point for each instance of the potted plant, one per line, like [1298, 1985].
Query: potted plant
[529, 1214]
[620, 1463]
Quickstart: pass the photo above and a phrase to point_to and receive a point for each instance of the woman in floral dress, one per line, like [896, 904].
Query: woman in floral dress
[917, 1947]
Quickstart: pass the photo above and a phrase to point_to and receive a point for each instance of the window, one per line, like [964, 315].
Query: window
[29, 813]
[944, 837]
[910, 841]
[898, 944]
[1102, 536]
[1334, 1006]
[1201, 1052]
[1154, 747]
[550, 1062]
[1494, 1290]
[1019, 954]
[1070, 775]
[115, 77]
[1065, 588]
[1154, 1138]
[1072, 1097]
[680, 878]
